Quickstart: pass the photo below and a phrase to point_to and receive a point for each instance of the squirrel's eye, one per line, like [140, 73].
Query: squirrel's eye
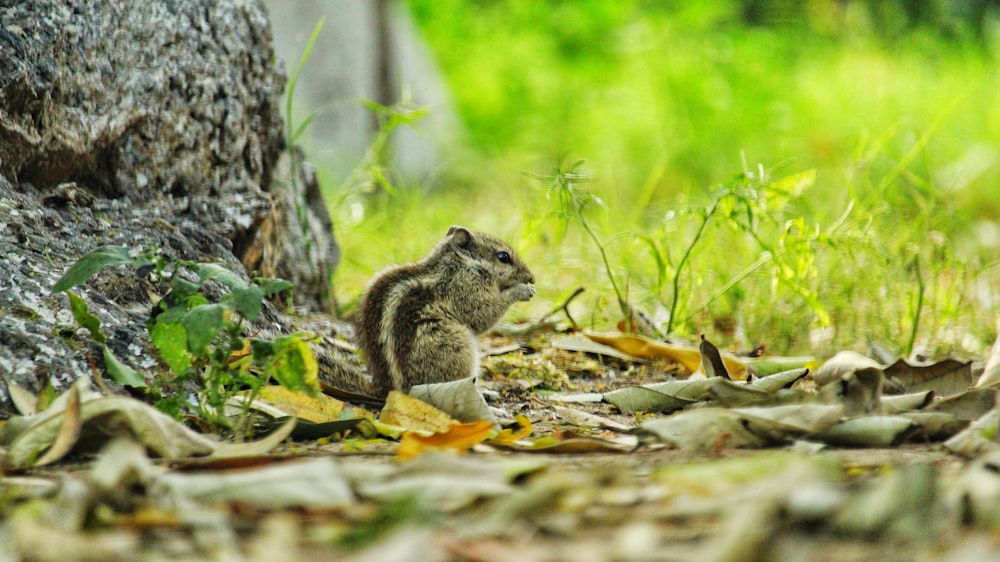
[504, 257]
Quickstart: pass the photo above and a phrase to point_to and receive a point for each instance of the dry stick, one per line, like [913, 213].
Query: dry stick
[565, 307]
[544, 323]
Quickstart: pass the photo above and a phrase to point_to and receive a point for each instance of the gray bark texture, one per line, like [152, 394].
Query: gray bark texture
[141, 124]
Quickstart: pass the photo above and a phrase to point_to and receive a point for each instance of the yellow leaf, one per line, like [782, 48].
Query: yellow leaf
[317, 409]
[646, 348]
[509, 437]
[408, 412]
[459, 438]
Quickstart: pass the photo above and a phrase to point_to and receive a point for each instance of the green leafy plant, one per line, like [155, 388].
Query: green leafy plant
[755, 206]
[571, 206]
[752, 217]
[81, 271]
[202, 342]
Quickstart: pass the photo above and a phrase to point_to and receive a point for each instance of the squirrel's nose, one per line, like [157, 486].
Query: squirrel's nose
[531, 279]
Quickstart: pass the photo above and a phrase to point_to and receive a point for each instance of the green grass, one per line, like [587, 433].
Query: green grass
[891, 242]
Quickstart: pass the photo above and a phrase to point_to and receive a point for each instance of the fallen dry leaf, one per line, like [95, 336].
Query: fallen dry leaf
[869, 431]
[109, 415]
[83, 418]
[458, 438]
[314, 483]
[576, 446]
[646, 348]
[24, 400]
[969, 405]
[278, 401]
[412, 413]
[459, 399]
[899, 403]
[779, 380]
[69, 431]
[576, 342]
[729, 393]
[704, 429]
[711, 360]
[509, 436]
[979, 438]
[447, 481]
[843, 364]
[641, 399]
[584, 419]
[946, 378]
[934, 427]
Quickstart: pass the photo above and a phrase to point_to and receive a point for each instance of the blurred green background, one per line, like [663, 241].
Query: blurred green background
[848, 150]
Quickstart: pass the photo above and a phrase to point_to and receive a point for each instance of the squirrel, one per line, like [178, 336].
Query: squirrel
[419, 321]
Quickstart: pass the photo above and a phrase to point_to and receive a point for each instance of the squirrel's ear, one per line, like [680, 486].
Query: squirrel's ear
[460, 236]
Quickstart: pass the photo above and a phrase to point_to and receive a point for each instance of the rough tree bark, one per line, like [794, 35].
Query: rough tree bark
[140, 124]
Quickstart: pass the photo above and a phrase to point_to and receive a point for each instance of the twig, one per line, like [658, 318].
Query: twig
[565, 308]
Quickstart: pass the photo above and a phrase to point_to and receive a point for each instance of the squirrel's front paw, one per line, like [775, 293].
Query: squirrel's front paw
[521, 292]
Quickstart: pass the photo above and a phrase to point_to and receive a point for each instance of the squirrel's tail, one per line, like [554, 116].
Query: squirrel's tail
[341, 372]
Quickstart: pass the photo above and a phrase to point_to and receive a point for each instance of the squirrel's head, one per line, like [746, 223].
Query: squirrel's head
[492, 256]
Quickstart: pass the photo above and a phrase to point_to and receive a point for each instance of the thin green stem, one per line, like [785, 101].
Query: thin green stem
[607, 268]
[683, 261]
[919, 306]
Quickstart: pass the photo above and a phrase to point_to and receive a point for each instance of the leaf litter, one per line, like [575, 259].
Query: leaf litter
[625, 460]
